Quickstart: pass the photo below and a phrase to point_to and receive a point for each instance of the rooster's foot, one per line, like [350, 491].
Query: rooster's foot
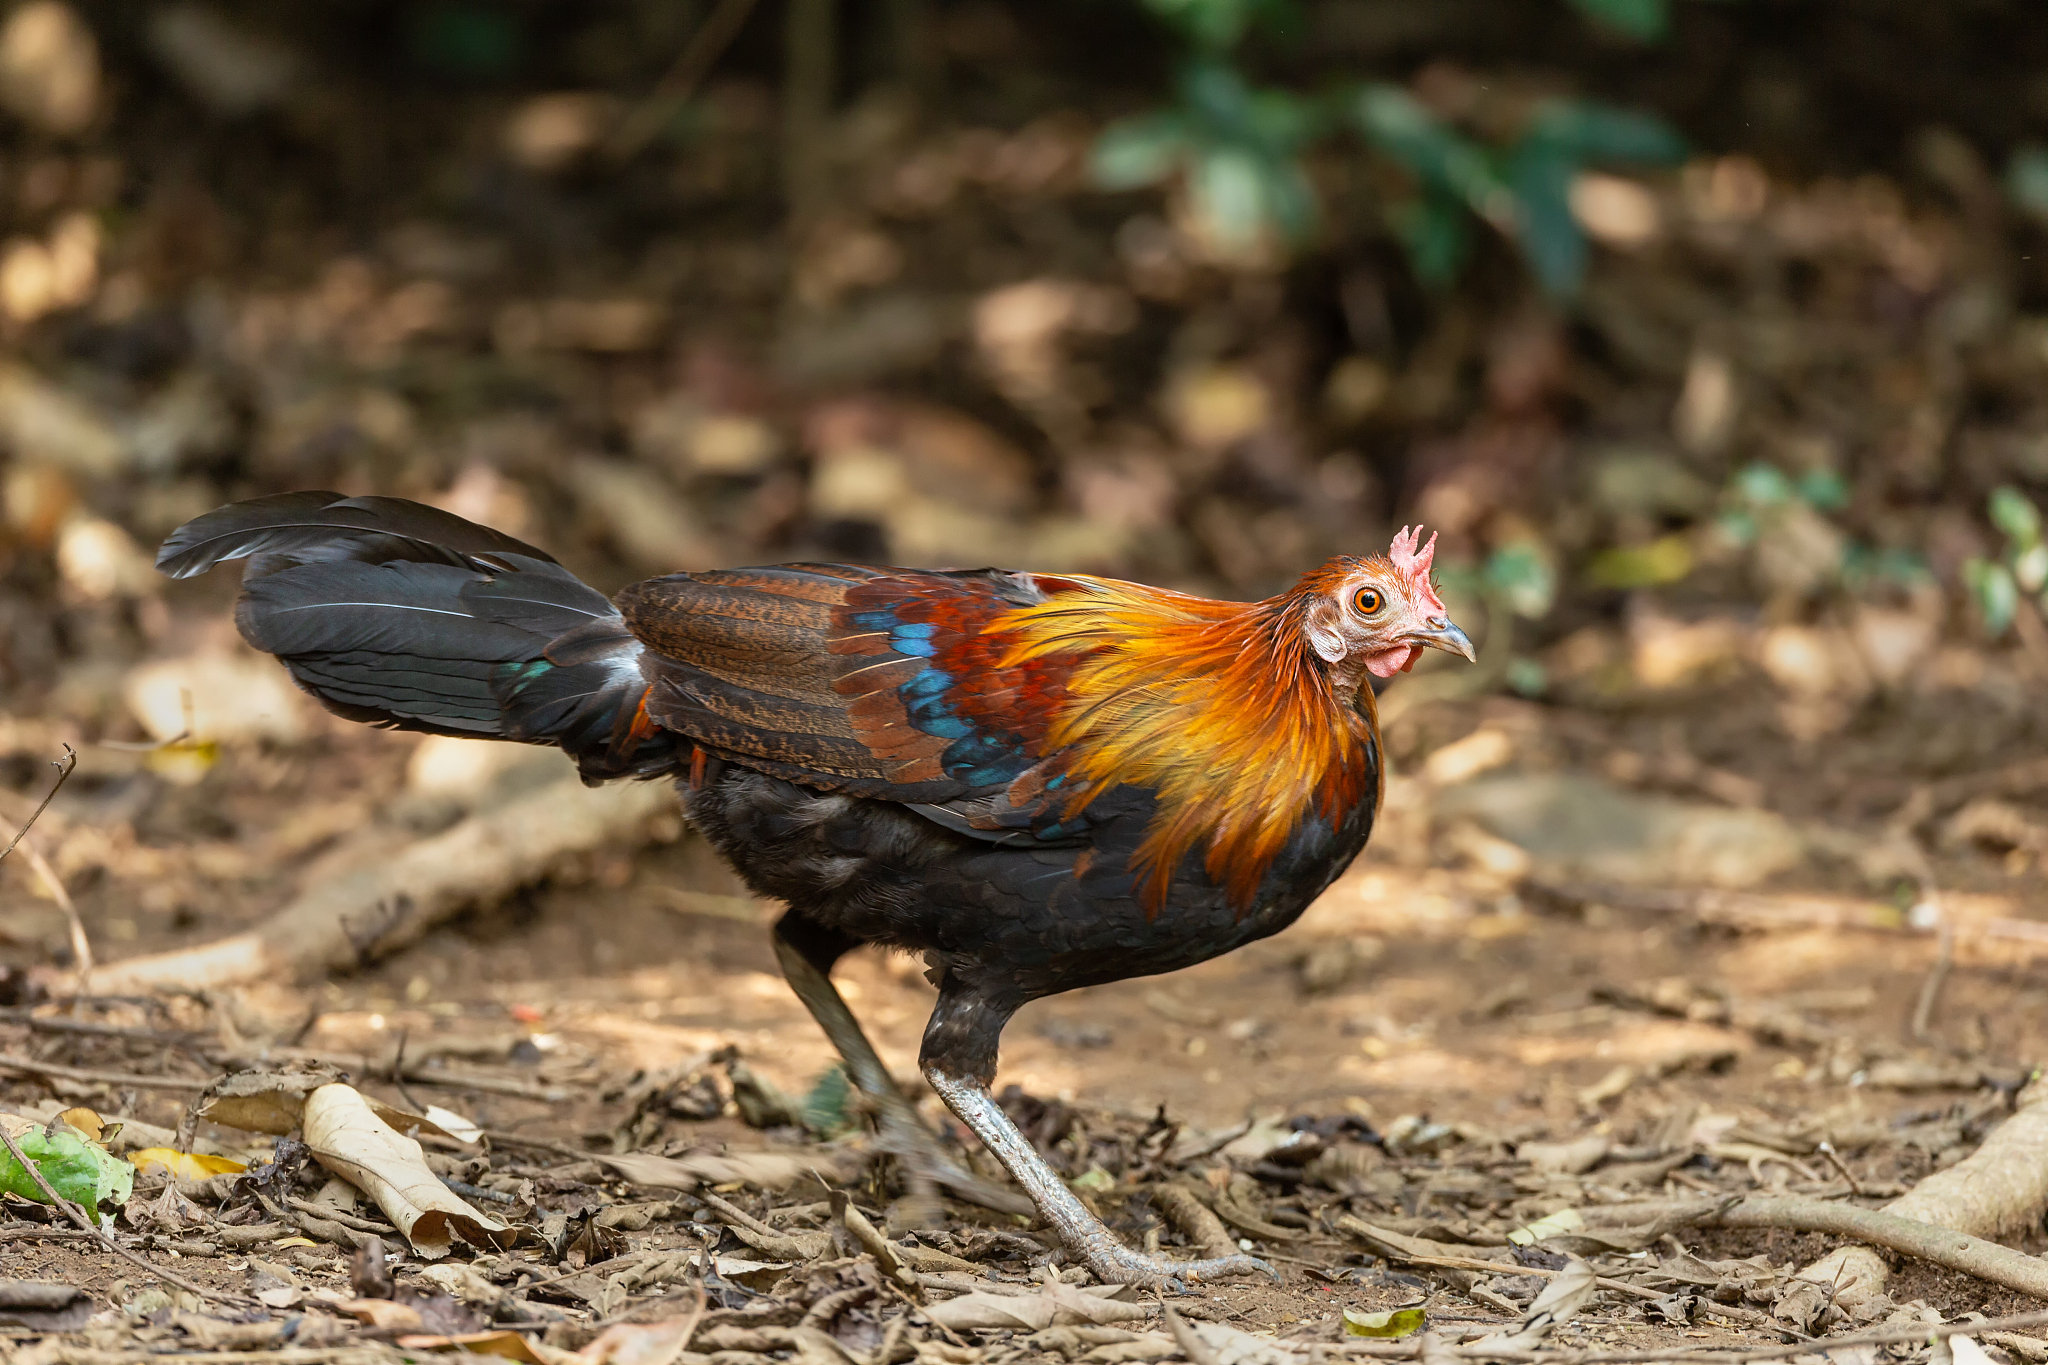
[1114, 1263]
[1085, 1236]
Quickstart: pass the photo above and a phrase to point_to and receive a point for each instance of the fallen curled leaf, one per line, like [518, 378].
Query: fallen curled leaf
[1395, 1322]
[386, 1315]
[1562, 1299]
[641, 1343]
[509, 1345]
[88, 1122]
[448, 1121]
[275, 1102]
[347, 1137]
[183, 1165]
[765, 1170]
[1054, 1306]
[1552, 1225]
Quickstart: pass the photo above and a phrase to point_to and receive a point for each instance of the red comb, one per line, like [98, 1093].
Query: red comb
[1413, 566]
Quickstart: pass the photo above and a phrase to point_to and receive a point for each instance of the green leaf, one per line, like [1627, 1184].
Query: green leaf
[1139, 151]
[1525, 677]
[1763, 485]
[827, 1109]
[2014, 513]
[1824, 489]
[1587, 131]
[78, 1169]
[1218, 25]
[1434, 229]
[1541, 177]
[1094, 1180]
[1521, 575]
[1996, 594]
[2026, 179]
[1397, 124]
[1666, 560]
[1395, 1322]
[1646, 20]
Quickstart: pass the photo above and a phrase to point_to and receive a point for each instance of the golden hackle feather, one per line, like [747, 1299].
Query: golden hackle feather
[1220, 707]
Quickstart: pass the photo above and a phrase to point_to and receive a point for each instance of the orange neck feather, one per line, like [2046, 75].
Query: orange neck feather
[1220, 707]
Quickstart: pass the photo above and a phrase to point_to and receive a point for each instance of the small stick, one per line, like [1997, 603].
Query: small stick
[677, 84]
[1827, 1149]
[65, 766]
[30, 1066]
[1930, 990]
[81, 946]
[105, 1239]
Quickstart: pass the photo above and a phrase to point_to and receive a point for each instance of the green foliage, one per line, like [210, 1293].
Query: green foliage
[76, 1167]
[1238, 148]
[828, 1109]
[1219, 25]
[2026, 179]
[1523, 189]
[1667, 559]
[1646, 20]
[1759, 489]
[1999, 586]
[471, 40]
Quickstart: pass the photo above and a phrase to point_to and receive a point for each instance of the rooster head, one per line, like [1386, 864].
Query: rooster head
[1380, 612]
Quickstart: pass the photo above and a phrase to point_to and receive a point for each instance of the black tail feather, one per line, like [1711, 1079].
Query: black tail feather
[408, 617]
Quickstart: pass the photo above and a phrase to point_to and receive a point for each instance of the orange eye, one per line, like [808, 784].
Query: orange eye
[1367, 601]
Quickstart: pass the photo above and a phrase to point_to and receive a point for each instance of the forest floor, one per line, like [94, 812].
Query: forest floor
[1451, 1044]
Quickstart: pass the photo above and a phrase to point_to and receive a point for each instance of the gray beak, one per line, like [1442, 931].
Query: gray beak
[1439, 633]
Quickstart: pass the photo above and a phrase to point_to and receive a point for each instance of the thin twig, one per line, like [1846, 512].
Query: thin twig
[680, 81]
[1827, 1149]
[498, 1135]
[81, 946]
[1930, 989]
[80, 1076]
[398, 1074]
[65, 766]
[41, 1234]
[86, 1225]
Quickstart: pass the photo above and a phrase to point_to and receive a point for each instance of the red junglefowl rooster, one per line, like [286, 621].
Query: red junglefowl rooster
[1037, 781]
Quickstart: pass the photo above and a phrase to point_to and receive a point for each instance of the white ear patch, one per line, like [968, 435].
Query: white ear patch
[1323, 637]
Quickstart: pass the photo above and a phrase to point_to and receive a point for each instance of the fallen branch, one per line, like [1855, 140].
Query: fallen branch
[1762, 910]
[2001, 1187]
[1925, 1240]
[78, 1076]
[392, 900]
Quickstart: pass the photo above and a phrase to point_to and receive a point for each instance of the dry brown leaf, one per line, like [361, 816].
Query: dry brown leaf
[1055, 1305]
[641, 1343]
[275, 1102]
[510, 1345]
[386, 1315]
[763, 1170]
[348, 1138]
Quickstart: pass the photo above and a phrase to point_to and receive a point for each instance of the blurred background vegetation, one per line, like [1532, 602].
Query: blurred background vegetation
[1712, 335]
